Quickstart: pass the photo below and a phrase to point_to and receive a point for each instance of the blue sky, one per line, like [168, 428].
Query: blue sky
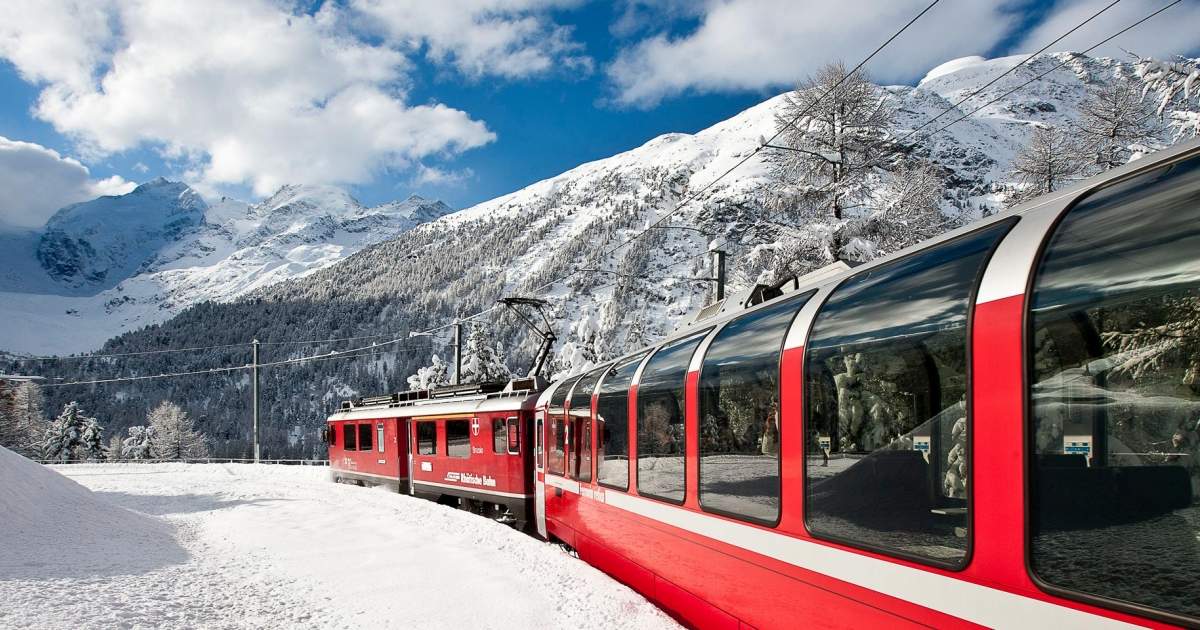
[461, 101]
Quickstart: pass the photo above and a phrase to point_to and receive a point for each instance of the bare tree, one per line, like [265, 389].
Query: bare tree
[1048, 162]
[173, 434]
[834, 128]
[908, 208]
[1113, 119]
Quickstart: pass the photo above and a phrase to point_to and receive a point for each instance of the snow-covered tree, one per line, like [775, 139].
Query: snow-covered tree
[173, 434]
[64, 440]
[1050, 161]
[1174, 84]
[842, 128]
[139, 444]
[91, 440]
[115, 446]
[1114, 123]
[22, 421]
[482, 359]
[907, 209]
[435, 374]
[8, 420]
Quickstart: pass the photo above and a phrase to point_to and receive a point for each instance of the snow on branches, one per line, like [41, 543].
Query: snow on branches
[1174, 84]
[73, 436]
[171, 435]
[435, 374]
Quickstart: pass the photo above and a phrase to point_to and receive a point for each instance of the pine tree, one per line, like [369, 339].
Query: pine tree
[482, 361]
[433, 375]
[65, 436]
[174, 436]
[1050, 161]
[91, 440]
[1114, 120]
[139, 444]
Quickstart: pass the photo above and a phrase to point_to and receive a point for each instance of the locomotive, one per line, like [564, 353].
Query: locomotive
[997, 427]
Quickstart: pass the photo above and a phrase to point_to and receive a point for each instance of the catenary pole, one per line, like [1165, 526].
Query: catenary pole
[254, 393]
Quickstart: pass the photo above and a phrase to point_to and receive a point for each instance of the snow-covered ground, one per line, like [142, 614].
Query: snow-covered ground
[244, 546]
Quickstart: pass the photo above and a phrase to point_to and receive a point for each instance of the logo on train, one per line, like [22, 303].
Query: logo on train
[486, 481]
[475, 427]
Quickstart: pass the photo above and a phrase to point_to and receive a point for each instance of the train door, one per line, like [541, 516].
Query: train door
[404, 455]
[539, 472]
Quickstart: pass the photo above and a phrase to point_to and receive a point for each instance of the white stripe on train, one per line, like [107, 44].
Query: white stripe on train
[966, 600]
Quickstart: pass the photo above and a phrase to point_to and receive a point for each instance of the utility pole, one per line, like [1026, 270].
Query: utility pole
[719, 273]
[254, 380]
[458, 353]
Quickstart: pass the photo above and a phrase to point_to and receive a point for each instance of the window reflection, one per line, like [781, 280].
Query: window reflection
[662, 438]
[1115, 373]
[886, 372]
[739, 413]
[556, 426]
[612, 425]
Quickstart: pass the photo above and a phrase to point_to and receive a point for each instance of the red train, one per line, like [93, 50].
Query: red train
[999, 427]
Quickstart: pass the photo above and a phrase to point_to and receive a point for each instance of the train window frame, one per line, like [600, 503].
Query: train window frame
[367, 430]
[554, 417]
[349, 436]
[800, 300]
[466, 423]
[379, 434]
[1029, 443]
[433, 442]
[587, 425]
[1004, 224]
[499, 448]
[636, 482]
[637, 360]
[513, 424]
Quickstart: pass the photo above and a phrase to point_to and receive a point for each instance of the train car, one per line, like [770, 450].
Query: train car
[468, 446]
[999, 427]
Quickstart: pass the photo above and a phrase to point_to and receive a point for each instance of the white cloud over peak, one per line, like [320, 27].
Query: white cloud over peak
[37, 181]
[238, 91]
[506, 38]
[762, 44]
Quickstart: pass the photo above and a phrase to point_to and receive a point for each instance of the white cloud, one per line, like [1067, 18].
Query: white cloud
[1172, 32]
[506, 38]
[36, 181]
[433, 176]
[240, 91]
[762, 44]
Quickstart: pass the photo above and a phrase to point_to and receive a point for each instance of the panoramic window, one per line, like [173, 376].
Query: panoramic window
[499, 436]
[427, 438]
[350, 437]
[556, 425]
[364, 437]
[886, 370]
[458, 438]
[661, 430]
[580, 462]
[1115, 395]
[612, 425]
[739, 414]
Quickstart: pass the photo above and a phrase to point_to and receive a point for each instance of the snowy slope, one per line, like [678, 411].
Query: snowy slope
[282, 546]
[114, 264]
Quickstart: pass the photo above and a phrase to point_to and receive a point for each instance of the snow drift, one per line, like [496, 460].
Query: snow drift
[55, 528]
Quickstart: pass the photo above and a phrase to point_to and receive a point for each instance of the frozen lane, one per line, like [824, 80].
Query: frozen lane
[276, 546]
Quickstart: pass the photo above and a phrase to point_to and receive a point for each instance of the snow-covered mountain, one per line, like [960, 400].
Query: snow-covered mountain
[114, 264]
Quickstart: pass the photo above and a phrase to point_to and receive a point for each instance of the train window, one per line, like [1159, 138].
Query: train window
[612, 425]
[579, 461]
[1114, 373]
[514, 435]
[364, 437]
[350, 437]
[886, 377]
[427, 438]
[379, 436]
[499, 436]
[661, 429]
[739, 414]
[458, 438]
[556, 425]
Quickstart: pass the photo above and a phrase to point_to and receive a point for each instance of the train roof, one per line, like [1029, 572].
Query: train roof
[735, 305]
[514, 395]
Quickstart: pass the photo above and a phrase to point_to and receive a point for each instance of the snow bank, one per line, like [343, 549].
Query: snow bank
[54, 528]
